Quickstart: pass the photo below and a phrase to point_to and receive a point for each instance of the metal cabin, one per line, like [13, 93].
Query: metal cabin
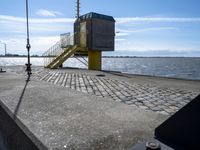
[95, 32]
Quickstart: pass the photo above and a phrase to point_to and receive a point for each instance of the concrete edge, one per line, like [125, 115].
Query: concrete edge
[23, 128]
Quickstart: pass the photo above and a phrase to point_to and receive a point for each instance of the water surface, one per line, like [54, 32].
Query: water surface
[187, 68]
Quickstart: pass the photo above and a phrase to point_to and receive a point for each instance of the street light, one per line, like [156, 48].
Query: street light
[4, 46]
[28, 46]
[1, 70]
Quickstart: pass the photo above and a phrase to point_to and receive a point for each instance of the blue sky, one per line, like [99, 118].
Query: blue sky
[142, 25]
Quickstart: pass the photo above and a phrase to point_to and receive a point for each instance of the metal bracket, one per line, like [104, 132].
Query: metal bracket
[151, 144]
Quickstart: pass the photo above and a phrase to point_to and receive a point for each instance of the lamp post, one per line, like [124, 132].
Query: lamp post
[1, 70]
[28, 46]
[4, 47]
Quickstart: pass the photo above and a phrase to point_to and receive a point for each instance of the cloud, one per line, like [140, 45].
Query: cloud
[155, 19]
[137, 45]
[38, 43]
[5, 18]
[125, 32]
[43, 43]
[12, 24]
[118, 39]
[45, 32]
[48, 13]
[122, 31]
[118, 20]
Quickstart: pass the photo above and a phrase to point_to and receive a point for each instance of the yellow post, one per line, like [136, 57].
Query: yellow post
[94, 60]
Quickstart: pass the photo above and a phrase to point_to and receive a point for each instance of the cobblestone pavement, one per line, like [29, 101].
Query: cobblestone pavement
[162, 100]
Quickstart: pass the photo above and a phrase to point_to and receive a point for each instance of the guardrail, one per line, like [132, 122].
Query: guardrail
[57, 49]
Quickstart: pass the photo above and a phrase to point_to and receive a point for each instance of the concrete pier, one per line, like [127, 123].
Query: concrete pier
[161, 95]
[80, 109]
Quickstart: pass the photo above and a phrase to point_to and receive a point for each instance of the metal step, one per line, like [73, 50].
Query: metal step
[64, 56]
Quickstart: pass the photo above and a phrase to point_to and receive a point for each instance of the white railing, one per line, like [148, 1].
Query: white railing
[52, 53]
[57, 49]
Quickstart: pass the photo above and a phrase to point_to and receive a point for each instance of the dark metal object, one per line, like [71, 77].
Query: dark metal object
[28, 46]
[181, 131]
[95, 31]
[148, 145]
[152, 145]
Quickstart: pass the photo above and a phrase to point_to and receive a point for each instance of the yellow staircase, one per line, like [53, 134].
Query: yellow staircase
[67, 53]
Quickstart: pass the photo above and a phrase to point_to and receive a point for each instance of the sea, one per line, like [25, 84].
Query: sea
[175, 67]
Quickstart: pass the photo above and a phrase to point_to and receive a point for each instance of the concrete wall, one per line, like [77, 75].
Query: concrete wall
[11, 136]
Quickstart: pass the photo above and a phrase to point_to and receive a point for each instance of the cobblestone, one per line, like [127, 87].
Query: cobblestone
[146, 96]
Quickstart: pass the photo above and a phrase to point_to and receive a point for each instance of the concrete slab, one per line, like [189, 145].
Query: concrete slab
[161, 95]
[56, 117]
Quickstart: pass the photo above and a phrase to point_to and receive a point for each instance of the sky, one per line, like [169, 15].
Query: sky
[160, 27]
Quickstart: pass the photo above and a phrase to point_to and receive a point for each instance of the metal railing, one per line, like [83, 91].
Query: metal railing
[51, 53]
[57, 49]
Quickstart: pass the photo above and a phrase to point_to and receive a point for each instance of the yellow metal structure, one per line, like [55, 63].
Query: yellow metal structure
[94, 60]
[93, 33]
[94, 57]
[68, 52]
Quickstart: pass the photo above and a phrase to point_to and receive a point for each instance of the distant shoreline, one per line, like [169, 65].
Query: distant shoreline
[110, 57]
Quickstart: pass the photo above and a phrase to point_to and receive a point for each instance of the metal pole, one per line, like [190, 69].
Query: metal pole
[28, 46]
[1, 70]
[5, 48]
[78, 9]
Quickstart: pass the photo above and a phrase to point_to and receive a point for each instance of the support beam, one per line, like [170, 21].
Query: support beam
[94, 60]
